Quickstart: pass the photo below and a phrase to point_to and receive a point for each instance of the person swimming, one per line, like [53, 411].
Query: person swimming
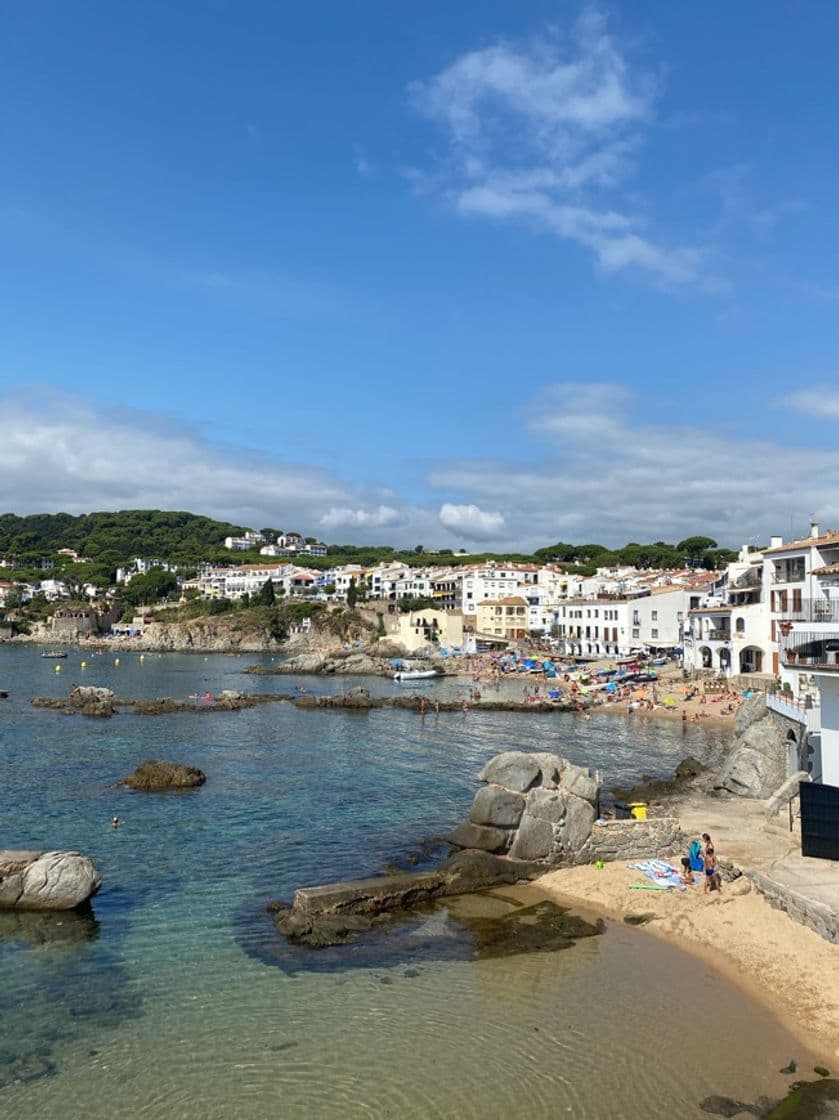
[114, 822]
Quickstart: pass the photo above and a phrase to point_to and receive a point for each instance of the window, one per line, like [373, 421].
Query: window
[655, 616]
[655, 633]
[636, 633]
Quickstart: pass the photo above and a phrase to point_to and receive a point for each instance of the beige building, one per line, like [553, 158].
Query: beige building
[418, 629]
[502, 618]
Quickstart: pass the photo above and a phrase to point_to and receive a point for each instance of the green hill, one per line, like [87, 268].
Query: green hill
[115, 537]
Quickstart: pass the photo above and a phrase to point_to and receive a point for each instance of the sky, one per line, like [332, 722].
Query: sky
[482, 275]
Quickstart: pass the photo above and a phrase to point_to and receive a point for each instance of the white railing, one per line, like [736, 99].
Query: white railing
[798, 710]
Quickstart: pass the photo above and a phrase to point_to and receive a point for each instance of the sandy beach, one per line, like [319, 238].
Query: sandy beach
[792, 971]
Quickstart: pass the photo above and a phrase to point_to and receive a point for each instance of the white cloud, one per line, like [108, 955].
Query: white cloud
[471, 523]
[62, 453]
[343, 516]
[608, 478]
[821, 401]
[543, 131]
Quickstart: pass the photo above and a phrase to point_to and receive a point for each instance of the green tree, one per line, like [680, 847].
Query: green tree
[150, 587]
[352, 593]
[695, 546]
[266, 596]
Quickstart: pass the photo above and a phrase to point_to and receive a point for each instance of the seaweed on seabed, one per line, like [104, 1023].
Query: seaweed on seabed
[806, 1100]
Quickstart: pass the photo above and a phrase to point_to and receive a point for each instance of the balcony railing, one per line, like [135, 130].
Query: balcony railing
[808, 610]
[719, 635]
[810, 649]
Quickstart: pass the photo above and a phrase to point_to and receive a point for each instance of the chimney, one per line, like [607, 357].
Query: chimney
[776, 542]
[814, 530]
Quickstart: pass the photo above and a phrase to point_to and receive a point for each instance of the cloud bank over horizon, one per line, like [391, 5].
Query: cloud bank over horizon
[598, 474]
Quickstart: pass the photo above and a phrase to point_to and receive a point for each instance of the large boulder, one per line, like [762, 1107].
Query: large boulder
[488, 839]
[515, 770]
[578, 779]
[576, 828]
[547, 805]
[46, 880]
[534, 839]
[758, 762]
[156, 774]
[472, 870]
[496, 806]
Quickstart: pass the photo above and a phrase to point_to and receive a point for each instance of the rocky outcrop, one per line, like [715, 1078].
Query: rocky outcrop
[758, 761]
[156, 774]
[46, 880]
[537, 808]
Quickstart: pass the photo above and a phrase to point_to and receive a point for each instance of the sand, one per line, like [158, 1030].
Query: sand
[784, 965]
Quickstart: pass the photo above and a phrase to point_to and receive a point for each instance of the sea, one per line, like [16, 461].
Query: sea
[176, 999]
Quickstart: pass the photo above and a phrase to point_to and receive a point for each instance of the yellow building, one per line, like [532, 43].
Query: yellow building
[418, 629]
[502, 618]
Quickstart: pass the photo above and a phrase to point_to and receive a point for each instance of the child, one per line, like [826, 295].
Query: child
[687, 871]
[712, 879]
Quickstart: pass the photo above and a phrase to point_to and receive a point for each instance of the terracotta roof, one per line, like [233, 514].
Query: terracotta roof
[807, 542]
[827, 570]
[507, 601]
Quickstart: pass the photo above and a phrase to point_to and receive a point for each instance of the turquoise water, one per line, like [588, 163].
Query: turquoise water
[176, 999]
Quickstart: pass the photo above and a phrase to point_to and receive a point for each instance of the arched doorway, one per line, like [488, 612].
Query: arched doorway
[751, 660]
[725, 660]
[793, 759]
[705, 654]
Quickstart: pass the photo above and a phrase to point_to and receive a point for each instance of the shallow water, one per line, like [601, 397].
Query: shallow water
[177, 1000]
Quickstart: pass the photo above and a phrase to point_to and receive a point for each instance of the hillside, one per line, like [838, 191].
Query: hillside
[112, 538]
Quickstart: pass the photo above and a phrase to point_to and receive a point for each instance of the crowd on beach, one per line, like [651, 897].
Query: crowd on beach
[632, 687]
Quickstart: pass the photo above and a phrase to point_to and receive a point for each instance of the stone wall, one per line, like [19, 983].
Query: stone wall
[535, 807]
[815, 915]
[656, 838]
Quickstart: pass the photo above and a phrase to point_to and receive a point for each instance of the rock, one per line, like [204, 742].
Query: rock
[356, 698]
[689, 768]
[230, 694]
[552, 767]
[319, 931]
[85, 695]
[578, 779]
[749, 712]
[496, 806]
[740, 886]
[472, 870]
[158, 774]
[534, 839]
[46, 880]
[489, 839]
[546, 805]
[514, 770]
[576, 828]
[758, 762]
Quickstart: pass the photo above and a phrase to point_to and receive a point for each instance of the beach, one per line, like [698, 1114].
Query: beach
[788, 968]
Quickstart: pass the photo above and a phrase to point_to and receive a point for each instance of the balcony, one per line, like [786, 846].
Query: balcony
[810, 649]
[718, 635]
[808, 610]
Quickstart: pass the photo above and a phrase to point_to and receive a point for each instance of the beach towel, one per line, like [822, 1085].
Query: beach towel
[660, 872]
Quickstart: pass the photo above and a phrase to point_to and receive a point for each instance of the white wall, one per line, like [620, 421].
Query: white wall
[829, 689]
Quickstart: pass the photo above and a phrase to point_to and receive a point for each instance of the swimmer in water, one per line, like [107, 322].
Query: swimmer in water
[114, 822]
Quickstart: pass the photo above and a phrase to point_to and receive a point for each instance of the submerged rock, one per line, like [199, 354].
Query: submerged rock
[157, 774]
[46, 880]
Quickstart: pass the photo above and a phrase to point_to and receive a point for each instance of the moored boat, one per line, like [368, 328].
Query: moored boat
[54, 653]
[415, 674]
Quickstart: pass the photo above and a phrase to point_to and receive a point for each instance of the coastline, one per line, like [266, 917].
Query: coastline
[784, 966]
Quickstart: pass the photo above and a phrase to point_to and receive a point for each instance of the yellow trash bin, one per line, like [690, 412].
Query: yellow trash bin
[638, 809]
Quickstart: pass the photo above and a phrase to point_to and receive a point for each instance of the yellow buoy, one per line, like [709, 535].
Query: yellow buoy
[116, 661]
[142, 657]
[84, 664]
[58, 668]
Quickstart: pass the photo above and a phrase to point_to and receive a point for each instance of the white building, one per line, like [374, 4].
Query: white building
[244, 544]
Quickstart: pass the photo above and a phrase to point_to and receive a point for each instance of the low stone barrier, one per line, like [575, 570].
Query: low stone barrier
[815, 915]
[655, 838]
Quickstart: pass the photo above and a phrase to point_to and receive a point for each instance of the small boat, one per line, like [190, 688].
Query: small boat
[415, 674]
[53, 653]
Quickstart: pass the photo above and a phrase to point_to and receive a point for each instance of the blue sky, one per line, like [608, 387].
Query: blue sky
[493, 274]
